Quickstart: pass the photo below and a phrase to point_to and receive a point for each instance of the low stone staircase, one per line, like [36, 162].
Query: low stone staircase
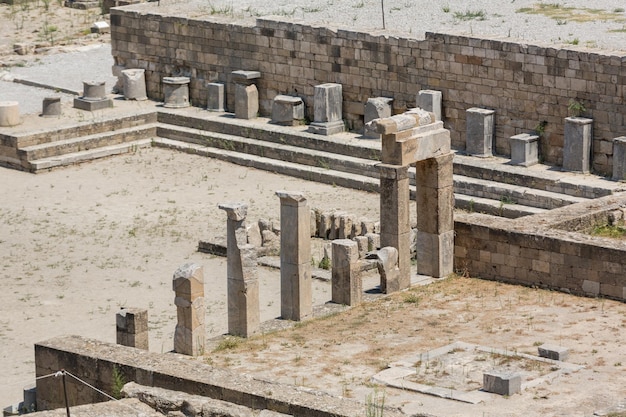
[489, 185]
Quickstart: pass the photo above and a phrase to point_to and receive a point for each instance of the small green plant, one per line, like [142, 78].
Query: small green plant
[576, 107]
[446, 9]
[540, 128]
[574, 41]
[359, 5]
[228, 343]
[612, 231]
[118, 383]
[411, 298]
[471, 15]
[375, 404]
[618, 10]
[324, 263]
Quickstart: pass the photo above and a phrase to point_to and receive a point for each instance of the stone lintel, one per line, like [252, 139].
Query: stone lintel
[234, 211]
[291, 198]
[417, 144]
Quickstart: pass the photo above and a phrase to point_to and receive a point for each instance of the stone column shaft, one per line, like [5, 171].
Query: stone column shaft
[295, 256]
[577, 138]
[188, 284]
[132, 328]
[347, 286]
[242, 282]
[395, 229]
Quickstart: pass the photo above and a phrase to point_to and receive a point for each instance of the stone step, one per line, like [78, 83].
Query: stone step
[84, 128]
[541, 177]
[85, 143]
[88, 155]
[512, 194]
[261, 129]
[272, 150]
[493, 207]
[306, 172]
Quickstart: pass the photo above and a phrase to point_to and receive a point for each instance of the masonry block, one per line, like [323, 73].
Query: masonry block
[479, 132]
[215, 97]
[524, 149]
[557, 353]
[619, 158]
[287, 110]
[502, 383]
[430, 100]
[577, 138]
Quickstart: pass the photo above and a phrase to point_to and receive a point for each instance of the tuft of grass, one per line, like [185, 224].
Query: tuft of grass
[411, 298]
[562, 14]
[446, 9]
[471, 15]
[324, 263]
[228, 343]
[615, 232]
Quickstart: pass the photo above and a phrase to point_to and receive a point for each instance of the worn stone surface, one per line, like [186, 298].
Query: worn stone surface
[188, 285]
[619, 158]
[132, 328]
[431, 101]
[287, 110]
[327, 110]
[577, 139]
[134, 82]
[525, 149]
[51, 107]
[347, 285]
[176, 92]
[554, 352]
[246, 101]
[215, 97]
[375, 108]
[387, 264]
[242, 282]
[479, 132]
[502, 383]
[295, 256]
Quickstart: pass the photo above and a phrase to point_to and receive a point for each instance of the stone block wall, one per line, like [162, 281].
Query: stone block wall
[545, 250]
[524, 84]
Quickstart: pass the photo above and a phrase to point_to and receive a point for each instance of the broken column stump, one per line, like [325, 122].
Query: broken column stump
[132, 328]
[51, 106]
[134, 81]
[242, 284]
[246, 94]
[188, 284]
[94, 97]
[347, 285]
[176, 92]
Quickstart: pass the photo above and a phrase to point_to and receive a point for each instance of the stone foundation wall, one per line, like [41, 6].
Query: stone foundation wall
[93, 361]
[546, 250]
[524, 84]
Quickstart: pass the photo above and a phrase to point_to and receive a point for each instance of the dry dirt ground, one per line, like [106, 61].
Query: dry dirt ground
[77, 243]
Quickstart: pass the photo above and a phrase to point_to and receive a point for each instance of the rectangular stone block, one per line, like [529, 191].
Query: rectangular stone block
[557, 353]
[577, 138]
[347, 286]
[430, 100]
[619, 158]
[132, 328]
[502, 383]
[287, 110]
[295, 291]
[376, 108]
[246, 101]
[524, 149]
[215, 97]
[479, 132]
[243, 307]
[435, 209]
[327, 106]
[416, 144]
[435, 254]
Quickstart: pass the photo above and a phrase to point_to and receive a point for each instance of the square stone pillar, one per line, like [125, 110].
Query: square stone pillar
[188, 284]
[619, 158]
[435, 216]
[215, 97]
[395, 229]
[430, 100]
[131, 326]
[246, 94]
[524, 149]
[480, 130]
[347, 286]
[376, 108]
[295, 256]
[327, 105]
[242, 282]
[287, 110]
[577, 138]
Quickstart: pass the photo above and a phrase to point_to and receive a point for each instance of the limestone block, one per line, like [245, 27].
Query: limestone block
[287, 110]
[246, 101]
[296, 301]
[435, 254]
[94, 90]
[591, 287]
[557, 353]
[362, 244]
[176, 92]
[188, 284]
[387, 264]
[524, 149]
[402, 122]
[313, 223]
[132, 328]
[375, 108]
[215, 97]
[254, 235]
[367, 226]
[51, 106]
[235, 211]
[134, 84]
[188, 281]
[345, 227]
[394, 199]
[502, 383]
[245, 77]
[100, 27]
[619, 158]
[347, 286]
[324, 225]
[243, 297]
[577, 139]
[479, 132]
[430, 100]
[327, 105]
[416, 144]
[373, 241]
[434, 194]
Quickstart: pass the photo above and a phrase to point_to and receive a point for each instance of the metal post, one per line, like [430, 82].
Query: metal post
[382, 5]
[67, 407]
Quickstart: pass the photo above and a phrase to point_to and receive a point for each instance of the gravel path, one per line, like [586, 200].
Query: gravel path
[606, 28]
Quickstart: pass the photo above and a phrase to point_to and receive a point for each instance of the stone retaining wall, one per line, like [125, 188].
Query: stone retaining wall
[525, 84]
[546, 250]
[93, 361]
